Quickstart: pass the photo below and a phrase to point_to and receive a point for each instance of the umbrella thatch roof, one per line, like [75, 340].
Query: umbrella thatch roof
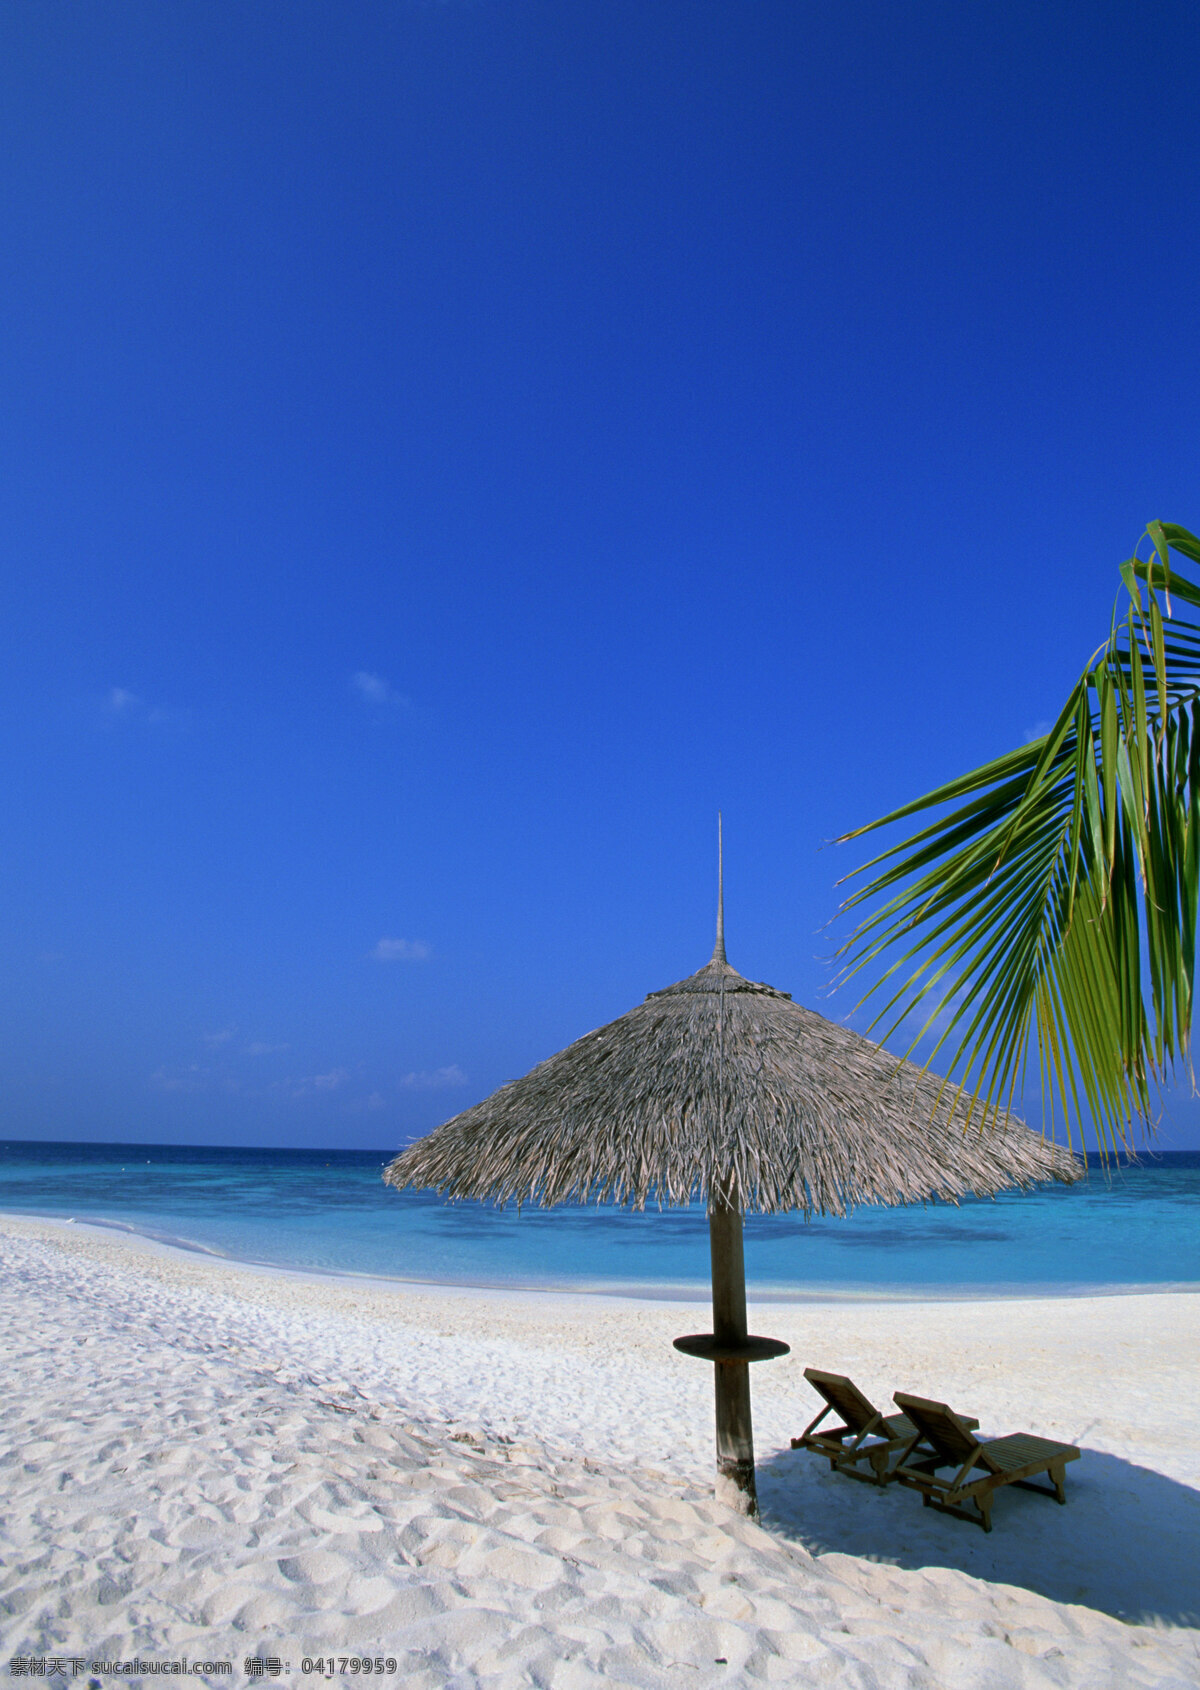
[719, 1086]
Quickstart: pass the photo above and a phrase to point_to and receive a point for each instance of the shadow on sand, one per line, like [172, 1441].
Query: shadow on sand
[1127, 1542]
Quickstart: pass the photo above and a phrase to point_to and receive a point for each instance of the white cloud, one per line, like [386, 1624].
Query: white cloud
[257, 1049]
[323, 1083]
[221, 1037]
[371, 1103]
[129, 706]
[193, 1078]
[374, 689]
[402, 950]
[440, 1079]
[164, 1079]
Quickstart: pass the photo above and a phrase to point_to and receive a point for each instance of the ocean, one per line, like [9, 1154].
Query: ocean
[327, 1211]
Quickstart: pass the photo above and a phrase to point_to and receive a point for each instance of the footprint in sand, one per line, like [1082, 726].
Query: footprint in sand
[315, 1566]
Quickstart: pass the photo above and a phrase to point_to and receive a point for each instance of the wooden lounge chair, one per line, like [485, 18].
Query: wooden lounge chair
[866, 1437]
[1004, 1461]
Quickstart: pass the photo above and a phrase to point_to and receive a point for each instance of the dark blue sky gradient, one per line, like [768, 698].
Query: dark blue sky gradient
[657, 407]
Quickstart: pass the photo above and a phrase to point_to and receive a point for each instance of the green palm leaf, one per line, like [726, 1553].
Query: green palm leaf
[1051, 904]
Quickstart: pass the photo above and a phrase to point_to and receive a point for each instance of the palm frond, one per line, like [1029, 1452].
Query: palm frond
[1052, 901]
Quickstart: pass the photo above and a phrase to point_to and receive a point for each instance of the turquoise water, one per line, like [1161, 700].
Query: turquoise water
[328, 1211]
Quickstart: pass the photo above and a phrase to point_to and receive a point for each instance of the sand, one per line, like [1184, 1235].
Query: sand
[205, 1460]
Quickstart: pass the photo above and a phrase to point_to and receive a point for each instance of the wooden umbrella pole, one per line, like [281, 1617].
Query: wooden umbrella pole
[731, 1379]
[735, 1434]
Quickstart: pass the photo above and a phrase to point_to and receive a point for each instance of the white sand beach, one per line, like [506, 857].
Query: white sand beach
[214, 1461]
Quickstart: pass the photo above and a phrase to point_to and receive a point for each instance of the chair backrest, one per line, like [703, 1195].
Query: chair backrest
[844, 1396]
[939, 1426]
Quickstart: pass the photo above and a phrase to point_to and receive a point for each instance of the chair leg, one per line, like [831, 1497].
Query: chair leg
[1058, 1474]
[980, 1515]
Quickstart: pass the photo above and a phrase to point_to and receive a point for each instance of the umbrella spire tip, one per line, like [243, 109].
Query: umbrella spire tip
[719, 948]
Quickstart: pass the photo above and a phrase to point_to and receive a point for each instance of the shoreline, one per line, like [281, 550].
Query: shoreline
[676, 1293]
[494, 1487]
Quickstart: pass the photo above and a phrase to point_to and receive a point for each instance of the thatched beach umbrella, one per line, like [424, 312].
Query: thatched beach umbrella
[726, 1091]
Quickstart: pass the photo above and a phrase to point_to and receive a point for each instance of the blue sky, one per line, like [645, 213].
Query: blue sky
[451, 449]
